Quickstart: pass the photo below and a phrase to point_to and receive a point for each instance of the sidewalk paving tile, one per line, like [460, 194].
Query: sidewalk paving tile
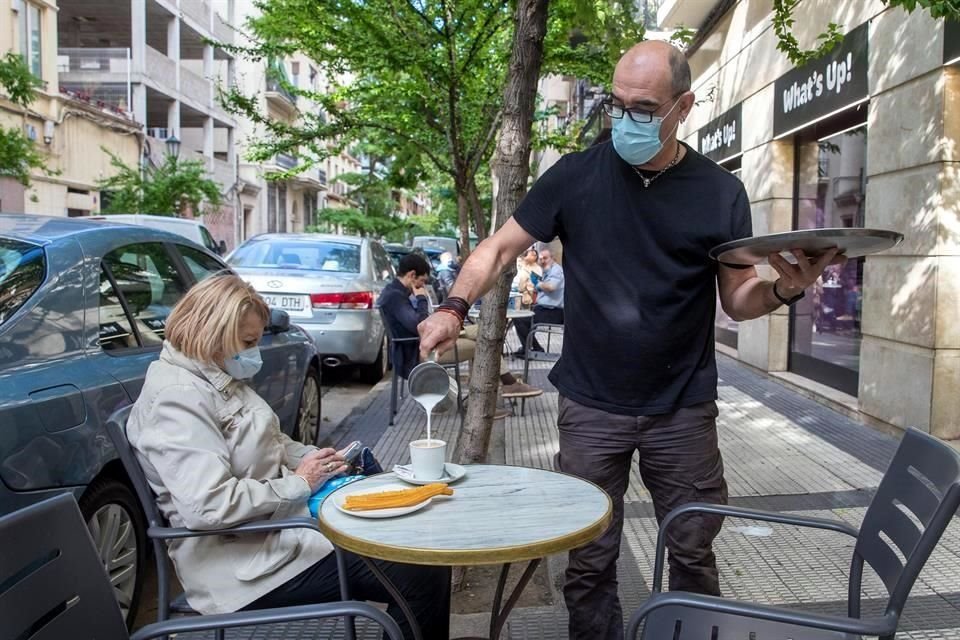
[782, 452]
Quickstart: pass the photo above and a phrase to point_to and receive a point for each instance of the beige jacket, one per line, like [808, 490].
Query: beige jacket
[214, 455]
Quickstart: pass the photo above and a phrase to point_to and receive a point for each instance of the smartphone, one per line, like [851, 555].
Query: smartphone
[352, 452]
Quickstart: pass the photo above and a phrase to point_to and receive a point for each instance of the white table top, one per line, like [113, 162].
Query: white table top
[512, 314]
[497, 514]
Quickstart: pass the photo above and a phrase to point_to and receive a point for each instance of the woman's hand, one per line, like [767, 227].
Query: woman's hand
[319, 466]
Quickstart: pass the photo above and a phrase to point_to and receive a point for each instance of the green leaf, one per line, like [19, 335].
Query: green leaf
[16, 80]
[174, 188]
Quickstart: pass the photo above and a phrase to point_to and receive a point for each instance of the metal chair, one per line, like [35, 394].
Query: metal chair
[529, 354]
[392, 342]
[916, 500]
[54, 586]
[158, 530]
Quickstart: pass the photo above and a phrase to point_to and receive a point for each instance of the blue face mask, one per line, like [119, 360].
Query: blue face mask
[245, 364]
[638, 142]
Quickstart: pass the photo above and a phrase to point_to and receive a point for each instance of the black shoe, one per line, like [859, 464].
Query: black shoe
[519, 353]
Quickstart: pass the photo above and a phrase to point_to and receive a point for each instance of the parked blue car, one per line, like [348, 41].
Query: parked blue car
[83, 306]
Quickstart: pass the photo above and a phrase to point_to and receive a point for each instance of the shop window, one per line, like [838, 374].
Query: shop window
[830, 187]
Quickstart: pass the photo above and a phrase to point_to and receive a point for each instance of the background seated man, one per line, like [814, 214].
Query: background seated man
[404, 318]
[549, 306]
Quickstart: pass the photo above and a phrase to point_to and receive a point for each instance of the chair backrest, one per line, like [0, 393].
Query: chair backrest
[916, 500]
[387, 325]
[52, 583]
[117, 429]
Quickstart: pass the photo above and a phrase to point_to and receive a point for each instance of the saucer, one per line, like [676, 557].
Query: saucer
[451, 473]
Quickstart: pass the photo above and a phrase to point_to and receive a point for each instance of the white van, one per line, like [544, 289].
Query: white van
[441, 243]
[190, 229]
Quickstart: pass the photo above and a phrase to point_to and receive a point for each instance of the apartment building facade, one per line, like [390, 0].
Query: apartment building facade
[159, 62]
[277, 196]
[68, 131]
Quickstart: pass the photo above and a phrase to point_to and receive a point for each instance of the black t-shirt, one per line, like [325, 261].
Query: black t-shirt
[640, 287]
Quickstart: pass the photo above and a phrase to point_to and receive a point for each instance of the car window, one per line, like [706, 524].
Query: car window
[200, 264]
[383, 268]
[208, 240]
[150, 285]
[115, 329]
[339, 257]
[22, 270]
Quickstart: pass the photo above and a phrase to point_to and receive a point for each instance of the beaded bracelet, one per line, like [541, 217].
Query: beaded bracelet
[460, 305]
[452, 313]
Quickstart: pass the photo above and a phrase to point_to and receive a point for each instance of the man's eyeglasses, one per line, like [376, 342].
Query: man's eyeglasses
[616, 111]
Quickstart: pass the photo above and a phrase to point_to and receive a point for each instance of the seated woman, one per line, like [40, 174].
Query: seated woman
[404, 316]
[214, 455]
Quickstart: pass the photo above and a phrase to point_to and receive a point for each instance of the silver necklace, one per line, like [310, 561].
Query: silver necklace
[647, 181]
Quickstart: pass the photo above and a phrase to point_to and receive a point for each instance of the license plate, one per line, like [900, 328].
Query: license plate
[292, 304]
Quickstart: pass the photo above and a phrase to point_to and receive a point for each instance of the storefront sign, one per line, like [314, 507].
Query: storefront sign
[951, 41]
[720, 139]
[823, 86]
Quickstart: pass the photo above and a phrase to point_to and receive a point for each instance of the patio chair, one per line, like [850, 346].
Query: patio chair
[53, 586]
[392, 342]
[158, 530]
[916, 500]
[528, 353]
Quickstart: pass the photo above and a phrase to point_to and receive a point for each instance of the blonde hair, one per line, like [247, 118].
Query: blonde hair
[205, 324]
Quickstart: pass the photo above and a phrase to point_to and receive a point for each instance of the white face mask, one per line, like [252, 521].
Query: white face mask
[245, 364]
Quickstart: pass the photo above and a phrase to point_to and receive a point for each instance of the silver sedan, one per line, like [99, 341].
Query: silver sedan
[329, 285]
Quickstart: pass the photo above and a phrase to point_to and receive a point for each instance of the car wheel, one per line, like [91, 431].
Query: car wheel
[372, 373]
[308, 415]
[117, 527]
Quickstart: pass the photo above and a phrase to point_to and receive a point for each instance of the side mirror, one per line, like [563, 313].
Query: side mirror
[222, 248]
[279, 321]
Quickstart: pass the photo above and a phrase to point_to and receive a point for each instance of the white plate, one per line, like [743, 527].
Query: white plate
[340, 497]
[451, 473]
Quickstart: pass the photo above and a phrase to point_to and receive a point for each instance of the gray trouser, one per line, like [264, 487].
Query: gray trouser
[680, 462]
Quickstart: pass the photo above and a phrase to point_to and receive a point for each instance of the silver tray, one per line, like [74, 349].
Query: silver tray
[853, 243]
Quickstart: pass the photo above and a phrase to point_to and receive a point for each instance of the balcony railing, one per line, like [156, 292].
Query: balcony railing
[223, 172]
[195, 86]
[160, 68]
[285, 160]
[100, 77]
[222, 32]
[199, 10]
[274, 87]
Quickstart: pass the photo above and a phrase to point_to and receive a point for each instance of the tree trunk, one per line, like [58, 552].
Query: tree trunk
[479, 220]
[511, 168]
[463, 216]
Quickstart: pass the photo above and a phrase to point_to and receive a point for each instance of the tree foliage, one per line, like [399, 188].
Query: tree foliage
[783, 21]
[420, 79]
[175, 188]
[18, 156]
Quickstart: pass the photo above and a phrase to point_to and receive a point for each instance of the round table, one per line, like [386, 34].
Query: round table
[512, 314]
[499, 514]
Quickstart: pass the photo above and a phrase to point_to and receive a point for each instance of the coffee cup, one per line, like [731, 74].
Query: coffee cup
[427, 458]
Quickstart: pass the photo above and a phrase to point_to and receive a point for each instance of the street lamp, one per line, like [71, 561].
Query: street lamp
[173, 146]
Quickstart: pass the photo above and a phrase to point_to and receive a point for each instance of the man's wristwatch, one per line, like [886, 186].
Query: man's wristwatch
[786, 301]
